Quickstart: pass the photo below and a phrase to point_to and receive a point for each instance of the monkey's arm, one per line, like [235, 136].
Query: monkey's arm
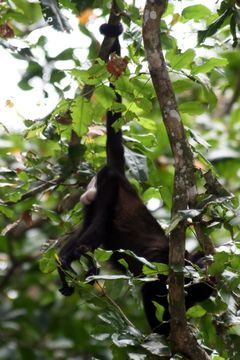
[96, 228]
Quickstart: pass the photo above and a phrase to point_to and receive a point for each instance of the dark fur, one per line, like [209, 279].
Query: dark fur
[111, 30]
[117, 219]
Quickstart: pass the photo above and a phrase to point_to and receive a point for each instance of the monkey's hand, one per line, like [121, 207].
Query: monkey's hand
[65, 269]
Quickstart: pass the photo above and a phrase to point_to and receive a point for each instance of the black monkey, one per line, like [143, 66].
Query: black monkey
[116, 218]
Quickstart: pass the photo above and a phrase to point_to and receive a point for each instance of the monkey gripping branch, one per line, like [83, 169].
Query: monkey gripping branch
[184, 182]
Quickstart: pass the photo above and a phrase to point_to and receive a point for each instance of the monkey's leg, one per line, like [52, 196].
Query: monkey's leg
[156, 291]
[197, 293]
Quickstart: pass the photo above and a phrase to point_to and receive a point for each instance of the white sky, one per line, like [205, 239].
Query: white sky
[31, 104]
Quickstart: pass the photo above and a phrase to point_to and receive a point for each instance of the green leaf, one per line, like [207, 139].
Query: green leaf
[125, 87]
[182, 85]
[93, 76]
[139, 258]
[166, 196]
[105, 96]
[61, 108]
[67, 54]
[214, 27]
[35, 131]
[190, 213]
[52, 215]
[180, 61]
[235, 262]
[15, 196]
[137, 356]
[196, 311]
[221, 260]
[7, 211]
[112, 318]
[174, 223]
[159, 311]
[196, 12]
[155, 269]
[156, 345]
[107, 277]
[120, 4]
[137, 164]
[23, 176]
[143, 104]
[198, 138]
[123, 263]
[123, 340]
[209, 65]
[151, 193]
[209, 97]
[234, 330]
[47, 262]
[102, 255]
[192, 108]
[81, 111]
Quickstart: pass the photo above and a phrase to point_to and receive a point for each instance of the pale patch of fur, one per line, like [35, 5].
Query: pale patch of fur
[90, 194]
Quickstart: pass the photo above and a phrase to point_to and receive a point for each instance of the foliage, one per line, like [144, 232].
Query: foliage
[45, 169]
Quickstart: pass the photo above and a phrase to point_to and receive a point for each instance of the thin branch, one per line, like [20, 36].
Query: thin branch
[115, 305]
[32, 192]
[204, 239]
[184, 182]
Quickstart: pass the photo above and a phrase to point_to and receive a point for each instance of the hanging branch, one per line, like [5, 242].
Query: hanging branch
[184, 191]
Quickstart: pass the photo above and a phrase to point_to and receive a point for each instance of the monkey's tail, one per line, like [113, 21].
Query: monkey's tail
[114, 146]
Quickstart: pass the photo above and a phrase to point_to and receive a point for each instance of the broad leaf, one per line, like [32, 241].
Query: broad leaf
[81, 111]
[214, 27]
[192, 107]
[137, 164]
[196, 12]
[196, 311]
[105, 96]
[209, 65]
[180, 61]
[159, 310]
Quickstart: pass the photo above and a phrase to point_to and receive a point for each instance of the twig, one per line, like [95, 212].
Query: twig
[33, 192]
[115, 305]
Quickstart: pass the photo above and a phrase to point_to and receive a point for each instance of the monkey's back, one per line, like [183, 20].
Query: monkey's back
[134, 228]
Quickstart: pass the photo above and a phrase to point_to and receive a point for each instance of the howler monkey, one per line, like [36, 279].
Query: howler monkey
[116, 218]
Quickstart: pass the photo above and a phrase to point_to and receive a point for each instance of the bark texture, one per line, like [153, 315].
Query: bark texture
[184, 191]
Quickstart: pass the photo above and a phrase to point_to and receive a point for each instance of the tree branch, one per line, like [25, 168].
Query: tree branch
[33, 192]
[184, 182]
